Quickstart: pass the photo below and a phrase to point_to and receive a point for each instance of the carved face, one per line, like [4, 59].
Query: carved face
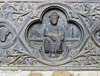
[54, 18]
[3, 34]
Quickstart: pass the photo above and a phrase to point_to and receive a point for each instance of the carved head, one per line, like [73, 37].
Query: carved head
[54, 18]
[3, 34]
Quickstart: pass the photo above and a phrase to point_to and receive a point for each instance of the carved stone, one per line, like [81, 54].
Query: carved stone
[46, 35]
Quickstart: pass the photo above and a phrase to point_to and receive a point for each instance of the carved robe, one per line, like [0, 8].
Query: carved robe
[54, 36]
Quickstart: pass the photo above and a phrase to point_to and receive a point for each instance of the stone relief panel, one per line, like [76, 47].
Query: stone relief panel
[87, 57]
[39, 34]
[55, 34]
[89, 12]
[17, 13]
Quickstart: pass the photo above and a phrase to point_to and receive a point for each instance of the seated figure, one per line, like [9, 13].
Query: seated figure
[54, 35]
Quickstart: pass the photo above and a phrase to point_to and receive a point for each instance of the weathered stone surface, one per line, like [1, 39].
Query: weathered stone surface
[50, 35]
[61, 74]
[35, 74]
[49, 73]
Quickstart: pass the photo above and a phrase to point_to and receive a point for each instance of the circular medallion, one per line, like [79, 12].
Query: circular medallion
[7, 34]
[53, 35]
